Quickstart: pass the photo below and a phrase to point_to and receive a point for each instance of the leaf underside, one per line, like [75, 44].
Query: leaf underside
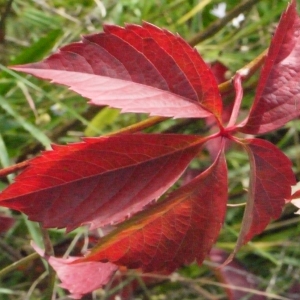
[277, 99]
[176, 231]
[138, 69]
[82, 278]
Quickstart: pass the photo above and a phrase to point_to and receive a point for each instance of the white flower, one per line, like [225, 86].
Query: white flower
[236, 21]
[219, 10]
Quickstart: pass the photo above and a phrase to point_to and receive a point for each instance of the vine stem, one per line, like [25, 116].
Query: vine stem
[237, 83]
[242, 74]
[14, 168]
[226, 86]
[247, 71]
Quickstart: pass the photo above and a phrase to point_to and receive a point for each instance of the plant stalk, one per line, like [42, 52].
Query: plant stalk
[49, 251]
[14, 266]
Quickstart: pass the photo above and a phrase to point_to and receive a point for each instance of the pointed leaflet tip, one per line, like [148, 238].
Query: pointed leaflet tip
[137, 69]
[174, 231]
[187, 60]
[277, 99]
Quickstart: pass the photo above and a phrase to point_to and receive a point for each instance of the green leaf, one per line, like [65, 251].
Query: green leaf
[34, 131]
[104, 118]
[39, 49]
[4, 157]
[200, 6]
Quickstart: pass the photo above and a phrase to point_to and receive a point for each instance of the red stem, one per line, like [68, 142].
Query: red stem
[14, 168]
[237, 83]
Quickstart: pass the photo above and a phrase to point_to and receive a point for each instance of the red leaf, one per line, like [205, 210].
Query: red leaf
[6, 223]
[138, 69]
[155, 43]
[101, 180]
[219, 70]
[80, 278]
[175, 231]
[277, 97]
[294, 290]
[271, 178]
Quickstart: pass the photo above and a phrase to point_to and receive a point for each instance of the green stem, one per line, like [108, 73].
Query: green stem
[139, 126]
[14, 266]
[49, 251]
[49, 292]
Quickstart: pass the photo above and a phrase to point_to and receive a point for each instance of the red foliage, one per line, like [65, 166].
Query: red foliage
[101, 180]
[271, 177]
[155, 72]
[277, 97]
[80, 278]
[105, 180]
[6, 223]
[174, 232]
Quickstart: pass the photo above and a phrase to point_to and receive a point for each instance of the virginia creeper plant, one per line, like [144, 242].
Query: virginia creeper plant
[117, 179]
